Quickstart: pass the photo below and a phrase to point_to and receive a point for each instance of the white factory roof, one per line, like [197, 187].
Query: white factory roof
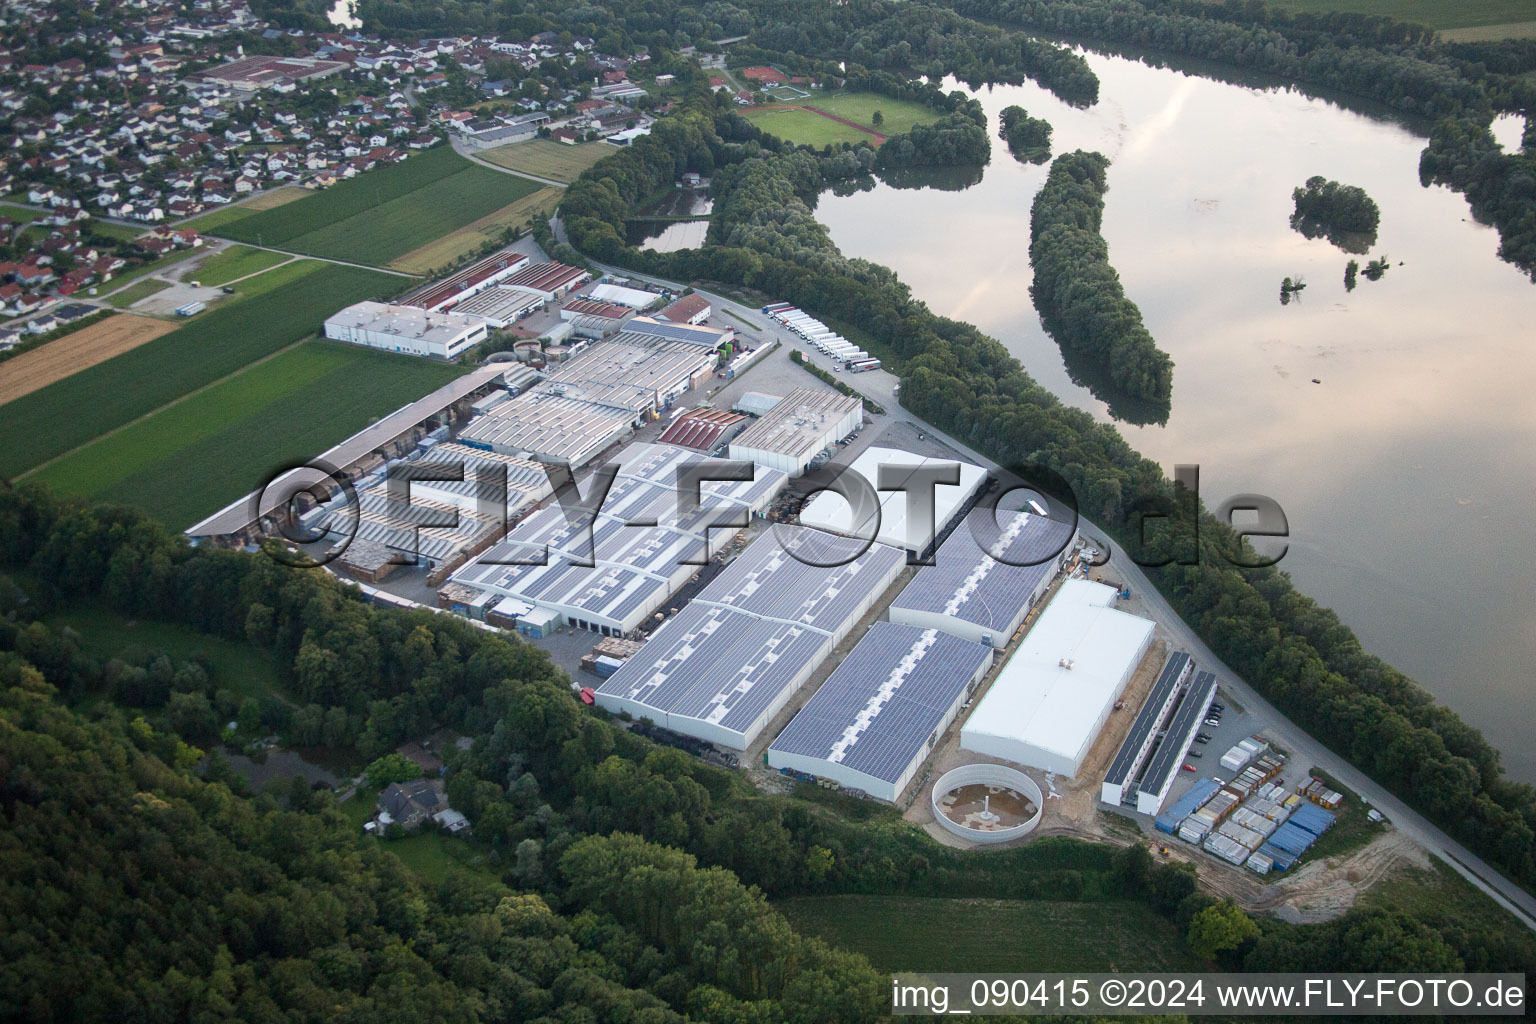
[799, 424]
[1052, 695]
[631, 371]
[403, 322]
[829, 510]
[499, 305]
[634, 298]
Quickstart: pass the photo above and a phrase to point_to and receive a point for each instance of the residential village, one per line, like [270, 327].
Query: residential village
[152, 124]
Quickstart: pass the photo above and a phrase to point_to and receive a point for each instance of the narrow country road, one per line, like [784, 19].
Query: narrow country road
[880, 385]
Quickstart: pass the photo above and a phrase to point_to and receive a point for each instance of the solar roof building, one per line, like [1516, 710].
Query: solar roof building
[1050, 700]
[984, 595]
[549, 426]
[1159, 776]
[792, 432]
[610, 580]
[721, 668]
[876, 718]
[527, 482]
[1120, 780]
[828, 510]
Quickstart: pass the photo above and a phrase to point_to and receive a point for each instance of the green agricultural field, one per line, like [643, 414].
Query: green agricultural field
[235, 261]
[1442, 14]
[236, 667]
[385, 213]
[195, 456]
[859, 107]
[277, 277]
[900, 933]
[553, 160]
[804, 128]
[84, 406]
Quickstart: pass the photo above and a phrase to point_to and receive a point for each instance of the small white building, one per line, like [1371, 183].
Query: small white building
[406, 329]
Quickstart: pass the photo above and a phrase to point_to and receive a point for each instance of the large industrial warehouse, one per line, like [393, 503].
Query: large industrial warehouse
[1050, 700]
[1164, 767]
[473, 279]
[829, 510]
[983, 595]
[804, 423]
[872, 723]
[549, 426]
[611, 580]
[724, 666]
[405, 329]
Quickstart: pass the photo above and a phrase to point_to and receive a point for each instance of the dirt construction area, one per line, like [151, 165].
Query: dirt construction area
[74, 352]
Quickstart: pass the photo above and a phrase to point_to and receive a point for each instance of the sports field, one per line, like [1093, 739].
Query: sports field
[809, 128]
[1441, 14]
[57, 359]
[920, 933]
[554, 160]
[385, 213]
[470, 237]
[232, 262]
[195, 456]
[84, 406]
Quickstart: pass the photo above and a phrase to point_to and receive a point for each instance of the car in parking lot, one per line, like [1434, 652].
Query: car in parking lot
[1212, 722]
[1195, 753]
[1188, 767]
[1202, 737]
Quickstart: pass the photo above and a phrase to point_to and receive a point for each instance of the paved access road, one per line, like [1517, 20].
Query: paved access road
[880, 385]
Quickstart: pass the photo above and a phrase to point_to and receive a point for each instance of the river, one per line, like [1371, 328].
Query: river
[1407, 470]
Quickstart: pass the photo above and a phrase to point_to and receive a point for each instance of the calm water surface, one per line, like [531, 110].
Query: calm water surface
[1409, 471]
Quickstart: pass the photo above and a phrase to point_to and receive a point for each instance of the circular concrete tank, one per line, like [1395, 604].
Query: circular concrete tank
[987, 803]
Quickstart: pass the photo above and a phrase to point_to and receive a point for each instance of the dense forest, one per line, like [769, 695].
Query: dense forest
[1028, 138]
[1298, 653]
[1078, 293]
[1343, 214]
[953, 139]
[623, 881]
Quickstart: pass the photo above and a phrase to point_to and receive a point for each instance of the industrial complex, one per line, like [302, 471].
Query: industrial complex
[887, 471]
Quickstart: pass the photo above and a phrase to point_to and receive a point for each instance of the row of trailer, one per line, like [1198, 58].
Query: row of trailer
[1249, 821]
[824, 338]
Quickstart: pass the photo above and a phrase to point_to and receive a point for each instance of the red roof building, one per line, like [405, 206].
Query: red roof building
[703, 430]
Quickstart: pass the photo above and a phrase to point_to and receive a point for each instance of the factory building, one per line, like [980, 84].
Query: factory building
[421, 531]
[689, 309]
[829, 510]
[527, 482]
[793, 430]
[635, 371]
[549, 426]
[472, 280]
[500, 305]
[724, 666]
[1120, 781]
[984, 595]
[703, 430]
[1182, 727]
[634, 298]
[612, 579]
[548, 280]
[710, 338]
[405, 329]
[877, 717]
[1050, 700]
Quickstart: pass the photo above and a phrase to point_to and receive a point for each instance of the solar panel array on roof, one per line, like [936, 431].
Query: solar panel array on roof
[1181, 730]
[723, 667]
[611, 571]
[876, 717]
[780, 577]
[1137, 743]
[974, 591]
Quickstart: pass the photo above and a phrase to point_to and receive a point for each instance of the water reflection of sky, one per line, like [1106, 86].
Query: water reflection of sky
[1407, 472]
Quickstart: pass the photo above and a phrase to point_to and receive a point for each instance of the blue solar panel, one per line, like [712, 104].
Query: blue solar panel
[877, 712]
[1127, 760]
[1170, 754]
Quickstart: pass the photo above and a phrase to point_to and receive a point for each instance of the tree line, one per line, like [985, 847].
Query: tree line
[1077, 292]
